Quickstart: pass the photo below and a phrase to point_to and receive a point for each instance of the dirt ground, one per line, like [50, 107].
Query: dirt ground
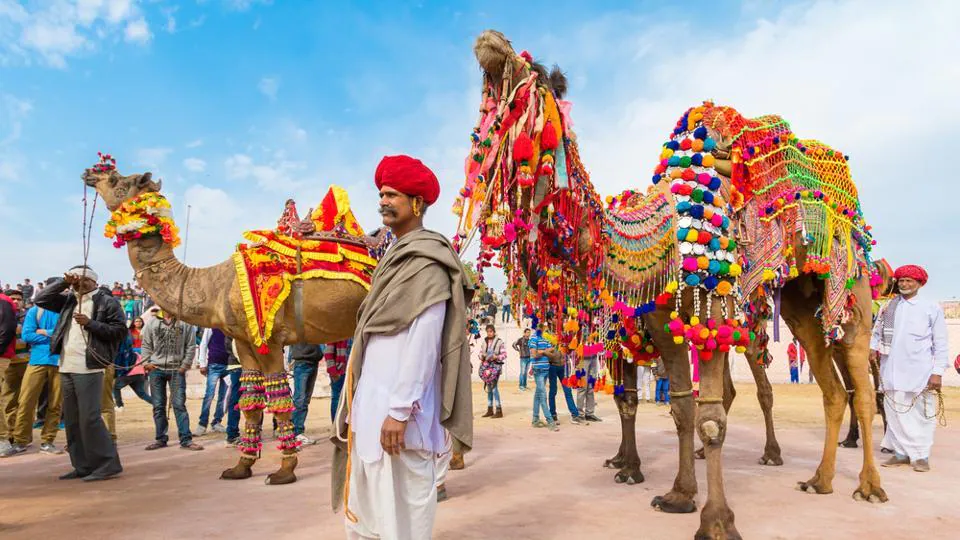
[519, 482]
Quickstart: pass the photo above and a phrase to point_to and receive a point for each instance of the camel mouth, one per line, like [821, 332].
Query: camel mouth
[88, 178]
[492, 49]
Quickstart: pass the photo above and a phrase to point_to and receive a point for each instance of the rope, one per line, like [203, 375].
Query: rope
[940, 412]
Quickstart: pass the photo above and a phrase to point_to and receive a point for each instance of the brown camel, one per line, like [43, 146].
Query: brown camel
[210, 298]
[522, 185]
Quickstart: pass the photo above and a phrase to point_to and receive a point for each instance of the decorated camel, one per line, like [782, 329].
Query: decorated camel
[283, 288]
[743, 222]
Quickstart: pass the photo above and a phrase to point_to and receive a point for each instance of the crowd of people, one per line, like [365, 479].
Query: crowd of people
[57, 376]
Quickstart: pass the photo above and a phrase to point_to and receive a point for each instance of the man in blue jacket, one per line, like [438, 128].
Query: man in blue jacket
[43, 372]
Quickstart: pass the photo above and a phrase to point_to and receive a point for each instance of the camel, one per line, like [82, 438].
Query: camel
[211, 298]
[535, 215]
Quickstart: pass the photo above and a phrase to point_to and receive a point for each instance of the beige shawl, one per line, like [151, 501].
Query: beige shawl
[420, 270]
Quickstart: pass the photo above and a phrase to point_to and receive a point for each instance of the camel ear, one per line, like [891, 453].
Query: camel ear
[144, 180]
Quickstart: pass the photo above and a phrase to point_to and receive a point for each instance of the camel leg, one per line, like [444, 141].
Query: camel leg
[617, 461]
[252, 402]
[856, 352]
[799, 314]
[627, 407]
[853, 433]
[771, 450]
[716, 519]
[729, 394]
[680, 499]
[280, 403]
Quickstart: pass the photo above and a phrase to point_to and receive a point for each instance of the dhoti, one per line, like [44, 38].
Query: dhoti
[394, 498]
[910, 433]
[443, 460]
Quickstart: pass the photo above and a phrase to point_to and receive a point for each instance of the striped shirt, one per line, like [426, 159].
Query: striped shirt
[537, 344]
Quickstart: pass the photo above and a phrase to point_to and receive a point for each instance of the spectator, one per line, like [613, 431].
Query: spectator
[27, 290]
[662, 392]
[558, 372]
[586, 401]
[336, 356]
[129, 372]
[87, 337]
[644, 378]
[43, 373]
[522, 346]
[214, 354]
[211, 359]
[540, 365]
[168, 348]
[306, 361]
[491, 365]
[505, 308]
[795, 356]
[14, 364]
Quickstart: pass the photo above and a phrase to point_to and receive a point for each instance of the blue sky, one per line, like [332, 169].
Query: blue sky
[239, 105]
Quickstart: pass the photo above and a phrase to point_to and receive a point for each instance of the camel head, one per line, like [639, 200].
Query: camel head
[115, 188]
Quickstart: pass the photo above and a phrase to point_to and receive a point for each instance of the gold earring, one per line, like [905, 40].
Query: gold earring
[416, 208]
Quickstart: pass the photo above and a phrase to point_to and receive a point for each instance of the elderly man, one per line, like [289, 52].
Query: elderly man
[87, 338]
[910, 341]
[408, 376]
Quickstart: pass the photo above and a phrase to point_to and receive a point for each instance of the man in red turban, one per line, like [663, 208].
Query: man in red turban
[408, 377]
[407, 187]
[911, 271]
[910, 341]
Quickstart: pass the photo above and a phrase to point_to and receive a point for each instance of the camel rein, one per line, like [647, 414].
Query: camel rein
[939, 411]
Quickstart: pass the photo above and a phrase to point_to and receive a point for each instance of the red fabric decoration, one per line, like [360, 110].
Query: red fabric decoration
[523, 148]
[912, 271]
[408, 176]
[548, 138]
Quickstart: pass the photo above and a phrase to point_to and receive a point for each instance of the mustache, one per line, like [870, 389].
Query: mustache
[387, 211]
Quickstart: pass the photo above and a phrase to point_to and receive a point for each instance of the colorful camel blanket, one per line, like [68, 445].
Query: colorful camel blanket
[267, 268]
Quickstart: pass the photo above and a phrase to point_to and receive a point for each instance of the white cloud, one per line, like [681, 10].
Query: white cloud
[277, 174]
[151, 157]
[137, 31]
[55, 31]
[211, 207]
[243, 5]
[12, 111]
[194, 143]
[268, 86]
[195, 165]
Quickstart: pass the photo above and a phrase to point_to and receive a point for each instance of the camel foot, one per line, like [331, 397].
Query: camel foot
[674, 503]
[456, 462]
[285, 474]
[629, 474]
[716, 523]
[700, 454]
[849, 443]
[870, 493]
[815, 486]
[771, 459]
[241, 471]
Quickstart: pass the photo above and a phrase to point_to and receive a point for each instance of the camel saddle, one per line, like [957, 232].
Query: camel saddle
[329, 244]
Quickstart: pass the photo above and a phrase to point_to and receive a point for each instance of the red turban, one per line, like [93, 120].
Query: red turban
[408, 176]
[912, 271]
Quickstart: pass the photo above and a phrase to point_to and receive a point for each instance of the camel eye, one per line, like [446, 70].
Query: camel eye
[113, 181]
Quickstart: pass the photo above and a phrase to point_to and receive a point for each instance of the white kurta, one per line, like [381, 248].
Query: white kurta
[918, 350]
[395, 497]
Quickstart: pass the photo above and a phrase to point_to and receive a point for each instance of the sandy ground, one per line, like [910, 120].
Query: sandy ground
[519, 482]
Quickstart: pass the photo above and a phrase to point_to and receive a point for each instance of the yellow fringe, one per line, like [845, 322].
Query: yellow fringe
[243, 279]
